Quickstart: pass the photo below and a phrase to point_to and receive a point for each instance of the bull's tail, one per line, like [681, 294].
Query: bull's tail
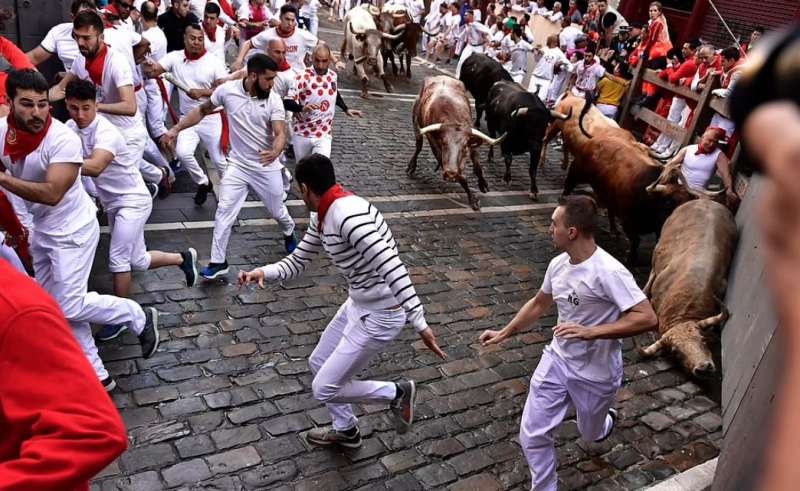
[586, 106]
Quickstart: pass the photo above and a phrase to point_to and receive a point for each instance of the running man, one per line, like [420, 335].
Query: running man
[381, 298]
[257, 137]
[598, 304]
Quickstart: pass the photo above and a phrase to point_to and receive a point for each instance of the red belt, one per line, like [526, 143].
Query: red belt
[137, 88]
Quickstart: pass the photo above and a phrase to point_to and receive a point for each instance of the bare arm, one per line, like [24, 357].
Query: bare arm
[38, 55]
[278, 143]
[640, 318]
[56, 92]
[526, 317]
[678, 158]
[59, 178]
[97, 162]
[152, 69]
[237, 64]
[192, 118]
[125, 107]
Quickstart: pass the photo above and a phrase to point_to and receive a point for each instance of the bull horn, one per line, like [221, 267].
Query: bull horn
[520, 111]
[430, 128]
[360, 59]
[713, 195]
[559, 115]
[656, 188]
[490, 141]
[654, 348]
[714, 320]
[391, 37]
[401, 27]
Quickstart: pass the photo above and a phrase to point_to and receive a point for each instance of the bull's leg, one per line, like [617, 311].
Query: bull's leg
[492, 133]
[474, 202]
[412, 164]
[612, 223]
[569, 183]
[552, 131]
[507, 158]
[476, 167]
[408, 64]
[390, 54]
[478, 113]
[533, 168]
[362, 75]
[633, 238]
[386, 84]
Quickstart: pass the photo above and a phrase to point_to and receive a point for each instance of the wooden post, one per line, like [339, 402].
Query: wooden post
[701, 110]
[634, 91]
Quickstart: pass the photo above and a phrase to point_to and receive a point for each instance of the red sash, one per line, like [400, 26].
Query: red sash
[256, 15]
[326, 200]
[165, 97]
[20, 143]
[96, 64]
[225, 135]
[284, 65]
[18, 236]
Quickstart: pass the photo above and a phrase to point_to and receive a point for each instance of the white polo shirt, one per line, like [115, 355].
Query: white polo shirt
[116, 74]
[195, 74]
[547, 63]
[519, 54]
[250, 120]
[121, 183]
[60, 145]
[123, 41]
[216, 48]
[59, 42]
[297, 45]
[597, 291]
[158, 42]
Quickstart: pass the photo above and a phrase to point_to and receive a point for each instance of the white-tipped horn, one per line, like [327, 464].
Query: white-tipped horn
[559, 115]
[391, 37]
[360, 59]
[490, 141]
[430, 127]
[656, 188]
[714, 320]
[400, 27]
[520, 111]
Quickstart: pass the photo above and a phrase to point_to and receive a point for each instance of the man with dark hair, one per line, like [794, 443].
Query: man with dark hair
[359, 242]
[121, 10]
[257, 137]
[199, 72]
[174, 22]
[213, 33]
[124, 197]
[610, 22]
[59, 41]
[44, 160]
[747, 46]
[598, 304]
[299, 42]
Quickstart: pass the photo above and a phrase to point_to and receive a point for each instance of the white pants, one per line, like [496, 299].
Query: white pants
[208, 131]
[724, 123]
[9, 254]
[236, 183]
[344, 7]
[557, 85]
[553, 388]
[539, 86]
[517, 76]
[63, 265]
[676, 115]
[313, 25]
[346, 346]
[608, 110]
[127, 250]
[303, 147]
[137, 138]
[89, 186]
[466, 53]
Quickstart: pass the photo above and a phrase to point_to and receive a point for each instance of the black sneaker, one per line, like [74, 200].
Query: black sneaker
[613, 413]
[149, 336]
[109, 383]
[289, 151]
[165, 186]
[325, 437]
[214, 270]
[189, 266]
[152, 189]
[403, 405]
[202, 193]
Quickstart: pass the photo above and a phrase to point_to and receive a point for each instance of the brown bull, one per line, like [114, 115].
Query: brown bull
[398, 22]
[688, 277]
[443, 114]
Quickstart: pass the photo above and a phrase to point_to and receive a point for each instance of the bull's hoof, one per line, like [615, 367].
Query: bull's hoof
[388, 86]
[364, 94]
[533, 196]
[564, 164]
[395, 70]
[411, 169]
[483, 186]
[507, 177]
[475, 204]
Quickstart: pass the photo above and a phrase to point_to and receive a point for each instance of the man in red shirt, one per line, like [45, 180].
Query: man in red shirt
[59, 428]
[13, 56]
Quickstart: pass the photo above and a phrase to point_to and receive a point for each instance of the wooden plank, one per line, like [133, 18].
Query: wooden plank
[651, 77]
[633, 93]
[674, 131]
[700, 115]
[720, 104]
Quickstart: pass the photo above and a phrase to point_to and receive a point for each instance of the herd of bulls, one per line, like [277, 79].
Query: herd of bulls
[697, 234]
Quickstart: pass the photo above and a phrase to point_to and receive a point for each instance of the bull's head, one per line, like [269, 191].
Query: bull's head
[456, 143]
[370, 43]
[686, 340]
[672, 186]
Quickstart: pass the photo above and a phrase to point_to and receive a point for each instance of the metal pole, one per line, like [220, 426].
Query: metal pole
[735, 39]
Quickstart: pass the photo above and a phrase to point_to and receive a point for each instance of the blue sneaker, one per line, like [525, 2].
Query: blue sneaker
[214, 270]
[176, 166]
[290, 242]
[110, 331]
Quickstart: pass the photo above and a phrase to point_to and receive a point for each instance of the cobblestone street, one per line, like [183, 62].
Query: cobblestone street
[224, 403]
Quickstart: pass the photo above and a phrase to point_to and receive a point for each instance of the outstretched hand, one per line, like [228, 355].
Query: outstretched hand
[490, 337]
[247, 277]
[430, 341]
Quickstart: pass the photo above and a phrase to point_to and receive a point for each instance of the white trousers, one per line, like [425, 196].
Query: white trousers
[539, 86]
[236, 183]
[608, 110]
[10, 255]
[553, 388]
[137, 139]
[313, 25]
[346, 346]
[466, 53]
[303, 146]
[517, 76]
[724, 123]
[208, 131]
[557, 85]
[676, 115]
[127, 250]
[63, 265]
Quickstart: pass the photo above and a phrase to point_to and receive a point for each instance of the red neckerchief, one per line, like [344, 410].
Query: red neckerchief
[96, 64]
[703, 151]
[193, 57]
[572, 11]
[258, 15]
[281, 34]
[212, 34]
[284, 65]
[20, 143]
[335, 192]
[719, 134]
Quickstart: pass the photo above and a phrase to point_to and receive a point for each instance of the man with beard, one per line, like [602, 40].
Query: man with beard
[213, 33]
[258, 136]
[598, 305]
[174, 21]
[317, 89]
[299, 42]
[200, 72]
[59, 41]
[44, 159]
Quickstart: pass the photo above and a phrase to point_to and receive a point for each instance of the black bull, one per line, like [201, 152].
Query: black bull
[479, 73]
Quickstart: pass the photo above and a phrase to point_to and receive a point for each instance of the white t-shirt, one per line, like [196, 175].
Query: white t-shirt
[250, 120]
[59, 41]
[197, 7]
[555, 17]
[519, 54]
[698, 169]
[547, 63]
[320, 90]
[310, 9]
[121, 183]
[476, 33]
[216, 48]
[194, 74]
[597, 291]
[568, 35]
[123, 41]
[158, 42]
[297, 45]
[588, 76]
[60, 145]
[116, 74]
[452, 24]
